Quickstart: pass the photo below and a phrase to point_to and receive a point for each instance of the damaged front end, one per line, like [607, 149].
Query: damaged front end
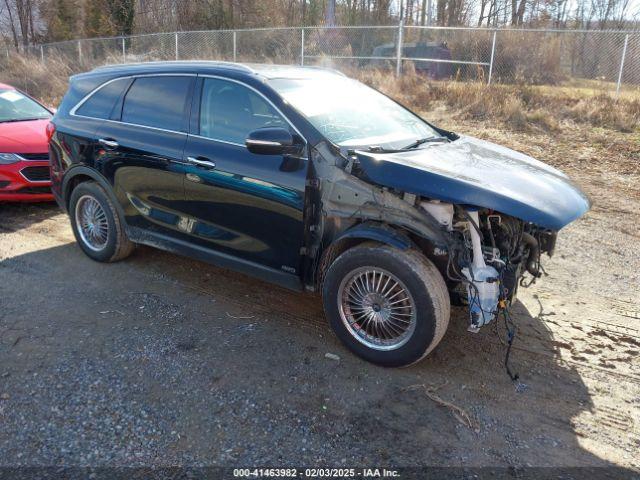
[489, 256]
[481, 213]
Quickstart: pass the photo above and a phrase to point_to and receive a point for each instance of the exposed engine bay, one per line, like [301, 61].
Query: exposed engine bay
[488, 256]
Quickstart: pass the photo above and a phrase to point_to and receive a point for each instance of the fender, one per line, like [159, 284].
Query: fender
[364, 231]
[73, 172]
[378, 232]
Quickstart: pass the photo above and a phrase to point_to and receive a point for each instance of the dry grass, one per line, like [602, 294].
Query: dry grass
[591, 88]
[519, 107]
[44, 81]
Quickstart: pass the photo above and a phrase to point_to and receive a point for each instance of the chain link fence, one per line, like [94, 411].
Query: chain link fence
[607, 59]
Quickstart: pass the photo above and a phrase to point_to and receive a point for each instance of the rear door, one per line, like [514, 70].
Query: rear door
[243, 204]
[142, 152]
[75, 132]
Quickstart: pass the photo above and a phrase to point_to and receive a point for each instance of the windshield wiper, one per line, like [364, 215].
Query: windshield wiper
[421, 141]
[417, 143]
[22, 119]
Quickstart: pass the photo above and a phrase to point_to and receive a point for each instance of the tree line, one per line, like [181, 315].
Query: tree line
[27, 22]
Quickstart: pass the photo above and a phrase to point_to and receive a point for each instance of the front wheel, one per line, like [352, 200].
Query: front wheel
[389, 306]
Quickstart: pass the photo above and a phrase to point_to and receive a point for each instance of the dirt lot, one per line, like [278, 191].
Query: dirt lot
[160, 360]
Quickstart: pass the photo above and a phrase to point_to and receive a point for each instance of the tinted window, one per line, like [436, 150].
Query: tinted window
[229, 111]
[101, 103]
[157, 102]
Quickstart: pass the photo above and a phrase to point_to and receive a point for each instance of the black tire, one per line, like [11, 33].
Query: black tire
[422, 280]
[117, 245]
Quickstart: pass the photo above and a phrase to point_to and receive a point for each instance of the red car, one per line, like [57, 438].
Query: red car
[24, 157]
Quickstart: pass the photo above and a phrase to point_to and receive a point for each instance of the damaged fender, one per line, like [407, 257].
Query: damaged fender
[352, 200]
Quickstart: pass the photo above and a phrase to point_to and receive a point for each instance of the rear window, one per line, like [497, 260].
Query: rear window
[101, 103]
[157, 102]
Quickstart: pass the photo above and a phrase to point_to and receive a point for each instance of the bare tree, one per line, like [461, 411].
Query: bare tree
[20, 19]
[12, 25]
[517, 11]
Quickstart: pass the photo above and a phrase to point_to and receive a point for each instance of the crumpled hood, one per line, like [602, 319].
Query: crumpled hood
[474, 172]
[24, 137]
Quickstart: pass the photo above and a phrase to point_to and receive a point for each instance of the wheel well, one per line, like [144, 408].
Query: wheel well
[339, 246]
[360, 233]
[73, 183]
[331, 253]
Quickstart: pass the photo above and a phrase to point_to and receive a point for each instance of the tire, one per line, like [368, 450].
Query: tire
[113, 244]
[419, 289]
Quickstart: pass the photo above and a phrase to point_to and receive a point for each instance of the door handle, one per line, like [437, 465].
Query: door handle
[201, 162]
[109, 143]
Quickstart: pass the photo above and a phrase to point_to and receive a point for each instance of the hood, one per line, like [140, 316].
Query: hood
[24, 137]
[474, 172]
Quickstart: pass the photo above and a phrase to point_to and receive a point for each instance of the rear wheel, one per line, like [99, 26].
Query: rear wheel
[96, 224]
[389, 306]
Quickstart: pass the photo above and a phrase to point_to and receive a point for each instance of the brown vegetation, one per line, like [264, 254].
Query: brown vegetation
[45, 81]
[518, 107]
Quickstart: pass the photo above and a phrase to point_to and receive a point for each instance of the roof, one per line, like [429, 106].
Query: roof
[4, 86]
[199, 66]
[291, 71]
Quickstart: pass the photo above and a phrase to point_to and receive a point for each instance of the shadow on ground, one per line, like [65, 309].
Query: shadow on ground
[161, 360]
[16, 216]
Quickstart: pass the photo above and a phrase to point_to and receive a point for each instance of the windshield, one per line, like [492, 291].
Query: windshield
[15, 107]
[350, 114]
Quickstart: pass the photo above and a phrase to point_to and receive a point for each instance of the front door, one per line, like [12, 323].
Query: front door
[243, 204]
[143, 153]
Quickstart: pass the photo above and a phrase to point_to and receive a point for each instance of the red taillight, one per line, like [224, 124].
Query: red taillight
[51, 129]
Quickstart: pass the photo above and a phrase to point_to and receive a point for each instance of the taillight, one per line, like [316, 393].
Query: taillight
[51, 129]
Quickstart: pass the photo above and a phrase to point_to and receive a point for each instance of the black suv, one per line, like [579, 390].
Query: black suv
[306, 178]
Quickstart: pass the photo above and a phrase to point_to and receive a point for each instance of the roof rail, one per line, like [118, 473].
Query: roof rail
[217, 63]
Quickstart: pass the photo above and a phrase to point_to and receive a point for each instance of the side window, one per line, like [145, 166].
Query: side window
[157, 102]
[230, 111]
[101, 103]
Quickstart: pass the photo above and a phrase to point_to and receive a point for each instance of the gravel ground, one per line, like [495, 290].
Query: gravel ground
[161, 361]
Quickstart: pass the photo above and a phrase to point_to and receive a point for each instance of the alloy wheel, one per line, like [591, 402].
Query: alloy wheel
[377, 308]
[92, 223]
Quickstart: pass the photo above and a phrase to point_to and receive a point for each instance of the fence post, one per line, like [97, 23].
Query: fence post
[124, 52]
[235, 45]
[624, 54]
[493, 52]
[399, 48]
[302, 46]
[41, 53]
[177, 57]
[80, 51]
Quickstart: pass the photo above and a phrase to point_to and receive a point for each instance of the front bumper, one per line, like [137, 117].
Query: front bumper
[26, 181]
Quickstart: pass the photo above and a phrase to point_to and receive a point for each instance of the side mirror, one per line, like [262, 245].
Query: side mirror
[273, 141]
